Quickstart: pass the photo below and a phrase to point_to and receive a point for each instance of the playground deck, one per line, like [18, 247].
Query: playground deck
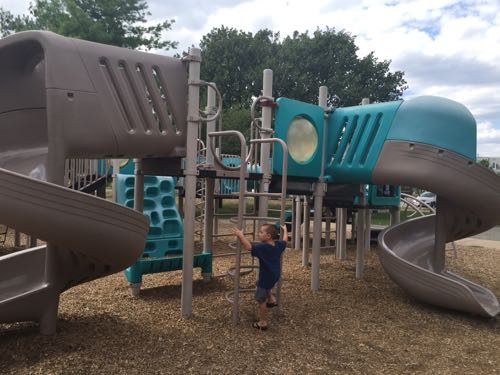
[349, 326]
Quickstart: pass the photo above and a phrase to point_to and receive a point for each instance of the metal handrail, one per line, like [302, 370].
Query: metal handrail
[252, 114]
[241, 137]
[406, 199]
[217, 93]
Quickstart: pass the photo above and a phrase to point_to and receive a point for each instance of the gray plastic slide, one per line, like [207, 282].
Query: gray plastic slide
[63, 98]
[91, 236]
[412, 253]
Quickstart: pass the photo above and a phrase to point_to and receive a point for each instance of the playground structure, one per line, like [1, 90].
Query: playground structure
[63, 98]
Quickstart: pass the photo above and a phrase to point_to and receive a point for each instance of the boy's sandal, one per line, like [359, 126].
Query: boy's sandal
[270, 305]
[259, 327]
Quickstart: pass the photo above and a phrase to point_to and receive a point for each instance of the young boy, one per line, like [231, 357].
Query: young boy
[268, 251]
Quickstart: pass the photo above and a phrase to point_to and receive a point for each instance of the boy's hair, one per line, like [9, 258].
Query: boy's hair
[272, 231]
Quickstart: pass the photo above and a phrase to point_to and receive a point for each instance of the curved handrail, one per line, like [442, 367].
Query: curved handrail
[218, 95]
[243, 148]
[252, 114]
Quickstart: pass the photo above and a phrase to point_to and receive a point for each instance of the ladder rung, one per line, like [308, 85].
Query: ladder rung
[249, 194]
[230, 294]
[235, 219]
[244, 269]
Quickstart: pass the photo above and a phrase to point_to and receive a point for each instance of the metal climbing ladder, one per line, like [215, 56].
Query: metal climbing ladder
[242, 218]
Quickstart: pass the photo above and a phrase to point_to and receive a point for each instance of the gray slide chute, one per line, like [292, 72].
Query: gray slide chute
[91, 238]
[412, 252]
[60, 99]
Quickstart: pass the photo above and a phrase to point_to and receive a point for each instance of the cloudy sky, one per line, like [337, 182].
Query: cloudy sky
[446, 48]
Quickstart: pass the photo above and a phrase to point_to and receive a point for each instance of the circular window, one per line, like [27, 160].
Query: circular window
[301, 139]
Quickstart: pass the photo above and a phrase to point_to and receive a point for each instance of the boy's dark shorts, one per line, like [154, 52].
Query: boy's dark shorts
[262, 294]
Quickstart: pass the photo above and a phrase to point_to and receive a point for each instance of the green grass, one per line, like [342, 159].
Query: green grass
[382, 217]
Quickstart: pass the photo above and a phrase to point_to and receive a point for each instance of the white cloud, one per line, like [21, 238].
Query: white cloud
[445, 47]
[15, 6]
[486, 133]
[488, 139]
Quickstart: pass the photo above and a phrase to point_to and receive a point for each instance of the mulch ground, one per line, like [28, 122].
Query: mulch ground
[350, 326]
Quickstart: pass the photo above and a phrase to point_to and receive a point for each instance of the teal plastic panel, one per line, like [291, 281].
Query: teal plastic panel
[355, 138]
[438, 122]
[228, 186]
[381, 196]
[164, 246]
[148, 265]
[384, 195]
[286, 111]
[166, 232]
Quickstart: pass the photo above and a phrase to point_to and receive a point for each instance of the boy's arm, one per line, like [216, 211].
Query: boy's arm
[284, 233]
[244, 242]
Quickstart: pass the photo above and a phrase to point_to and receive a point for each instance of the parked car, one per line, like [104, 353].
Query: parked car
[426, 197]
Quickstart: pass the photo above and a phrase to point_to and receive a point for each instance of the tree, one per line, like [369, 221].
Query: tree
[115, 22]
[235, 60]
[301, 63]
[485, 163]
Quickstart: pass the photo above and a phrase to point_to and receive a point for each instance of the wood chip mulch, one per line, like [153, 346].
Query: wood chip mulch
[350, 326]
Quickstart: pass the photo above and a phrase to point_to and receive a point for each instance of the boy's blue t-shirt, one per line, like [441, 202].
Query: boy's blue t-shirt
[269, 258]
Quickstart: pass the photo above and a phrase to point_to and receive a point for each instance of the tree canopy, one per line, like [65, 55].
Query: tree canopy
[115, 22]
[301, 63]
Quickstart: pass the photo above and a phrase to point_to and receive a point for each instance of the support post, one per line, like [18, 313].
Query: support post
[328, 229]
[298, 221]
[319, 193]
[361, 225]
[56, 162]
[361, 232]
[395, 215]
[368, 229]
[190, 174]
[135, 288]
[138, 186]
[305, 233]
[267, 90]
[208, 225]
[438, 260]
[341, 235]
[116, 171]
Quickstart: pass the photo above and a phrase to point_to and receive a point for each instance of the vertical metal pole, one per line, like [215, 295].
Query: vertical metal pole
[328, 230]
[298, 220]
[216, 217]
[438, 260]
[368, 229]
[116, 171]
[305, 233]
[208, 227]
[395, 215]
[361, 225]
[135, 288]
[265, 147]
[242, 226]
[211, 124]
[190, 174]
[138, 186]
[17, 238]
[294, 220]
[341, 236]
[360, 241]
[56, 161]
[319, 193]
